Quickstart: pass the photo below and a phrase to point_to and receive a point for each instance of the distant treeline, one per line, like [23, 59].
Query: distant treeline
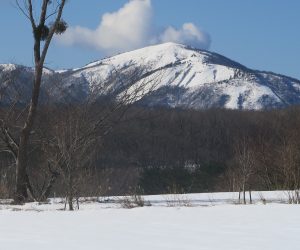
[151, 151]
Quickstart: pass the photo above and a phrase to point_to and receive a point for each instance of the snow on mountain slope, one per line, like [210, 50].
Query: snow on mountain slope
[175, 75]
[187, 77]
[179, 66]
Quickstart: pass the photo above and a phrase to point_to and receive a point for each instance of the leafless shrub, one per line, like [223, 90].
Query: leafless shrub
[293, 196]
[134, 201]
[262, 198]
[178, 200]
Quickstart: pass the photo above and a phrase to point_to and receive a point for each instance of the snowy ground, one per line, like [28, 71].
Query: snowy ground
[183, 222]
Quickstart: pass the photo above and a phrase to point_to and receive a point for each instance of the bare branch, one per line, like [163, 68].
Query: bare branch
[22, 9]
[54, 12]
[30, 11]
[52, 31]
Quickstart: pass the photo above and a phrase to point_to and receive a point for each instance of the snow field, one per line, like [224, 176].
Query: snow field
[210, 222]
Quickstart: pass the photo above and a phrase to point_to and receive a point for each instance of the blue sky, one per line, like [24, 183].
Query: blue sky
[261, 34]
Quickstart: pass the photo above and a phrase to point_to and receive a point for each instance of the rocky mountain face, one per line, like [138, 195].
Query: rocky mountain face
[169, 74]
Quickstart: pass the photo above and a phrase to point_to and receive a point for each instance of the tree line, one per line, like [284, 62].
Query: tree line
[157, 150]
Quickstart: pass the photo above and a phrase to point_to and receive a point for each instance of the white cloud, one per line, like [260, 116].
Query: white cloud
[188, 34]
[129, 28]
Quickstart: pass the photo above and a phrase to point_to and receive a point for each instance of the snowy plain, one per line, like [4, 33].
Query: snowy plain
[211, 221]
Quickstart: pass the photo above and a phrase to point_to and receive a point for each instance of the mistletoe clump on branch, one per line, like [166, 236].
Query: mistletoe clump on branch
[42, 31]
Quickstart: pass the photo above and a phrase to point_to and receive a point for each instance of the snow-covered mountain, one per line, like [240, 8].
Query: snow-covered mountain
[169, 74]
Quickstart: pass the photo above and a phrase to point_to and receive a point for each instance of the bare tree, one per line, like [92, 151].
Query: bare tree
[79, 128]
[51, 13]
[290, 166]
[244, 161]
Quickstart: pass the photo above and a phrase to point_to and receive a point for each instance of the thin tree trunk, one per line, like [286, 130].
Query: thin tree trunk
[244, 194]
[70, 201]
[66, 200]
[70, 193]
[22, 183]
[21, 179]
[48, 189]
[77, 200]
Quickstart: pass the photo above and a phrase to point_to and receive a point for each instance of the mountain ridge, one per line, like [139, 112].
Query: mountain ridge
[185, 77]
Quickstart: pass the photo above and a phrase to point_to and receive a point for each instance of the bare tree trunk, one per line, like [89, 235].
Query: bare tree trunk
[22, 180]
[77, 201]
[45, 194]
[244, 193]
[70, 201]
[70, 192]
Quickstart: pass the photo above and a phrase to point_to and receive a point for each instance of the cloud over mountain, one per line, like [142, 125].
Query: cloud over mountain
[132, 27]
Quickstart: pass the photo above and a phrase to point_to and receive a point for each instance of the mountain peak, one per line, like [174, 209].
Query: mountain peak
[184, 77]
[190, 77]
